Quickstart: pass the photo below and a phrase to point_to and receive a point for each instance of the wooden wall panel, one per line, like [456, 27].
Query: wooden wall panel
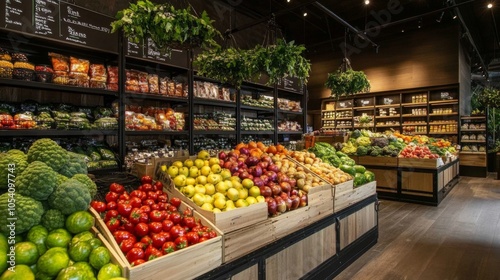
[249, 273]
[422, 58]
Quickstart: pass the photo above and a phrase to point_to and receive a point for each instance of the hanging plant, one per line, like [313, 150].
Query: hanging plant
[281, 60]
[231, 66]
[488, 97]
[347, 83]
[167, 26]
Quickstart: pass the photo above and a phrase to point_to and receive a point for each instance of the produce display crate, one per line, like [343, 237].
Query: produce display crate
[200, 258]
[342, 188]
[347, 199]
[224, 221]
[377, 161]
[420, 163]
[115, 257]
[243, 241]
[142, 169]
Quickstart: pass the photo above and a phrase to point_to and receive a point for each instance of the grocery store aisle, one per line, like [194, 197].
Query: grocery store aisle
[459, 239]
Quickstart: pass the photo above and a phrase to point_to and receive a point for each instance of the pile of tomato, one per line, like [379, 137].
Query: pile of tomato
[146, 224]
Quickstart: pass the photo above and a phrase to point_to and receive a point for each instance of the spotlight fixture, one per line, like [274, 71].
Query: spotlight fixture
[490, 5]
[402, 30]
[440, 17]
[420, 23]
[367, 2]
[305, 13]
[288, 1]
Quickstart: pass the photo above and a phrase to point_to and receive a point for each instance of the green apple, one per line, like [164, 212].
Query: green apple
[173, 171]
[229, 205]
[209, 189]
[241, 203]
[198, 199]
[190, 181]
[207, 206]
[188, 191]
[178, 164]
[236, 184]
[220, 203]
[200, 189]
[221, 187]
[184, 171]
[214, 179]
[188, 163]
[209, 199]
[219, 195]
[254, 191]
[201, 179]
[247, 183]
[216, 168]
[235, 178]
[205, 170]
[260, 198]
[233, 194]
[180, 181]
[193, 171]
[199, 163]
[213, 161]
[242, 193]
[226, 174]
[251, 200]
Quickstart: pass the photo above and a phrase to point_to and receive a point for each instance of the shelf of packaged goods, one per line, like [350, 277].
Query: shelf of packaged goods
[364, 126]
[289, 112]
[56, 87]
[154, 132]
[205, 79]
[472, 153]
[414, 124]
[387, 125]
[421, 104]
[257, 132]
[215, 132]
[418, 133]
[443, 133]
[218, 103]
[444, 102]
[142, 96]
[366, 108]
[387, 117]
[414, 116]
[338, 126]
[441, 123]
[55, 132]
[257, 108]
[290, 132]
[473, 117]
[388, 106]
[338, 109]
[473, 130]
[473, 141]
[443, 115]
[337, 119]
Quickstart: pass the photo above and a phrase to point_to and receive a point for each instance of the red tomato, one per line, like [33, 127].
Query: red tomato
[177, 231]
[153, 195]
[141, 245]
[158, 185]
[111, 196]
[161, 205]
[121, 235]
[189, 222]
[124, 196]
[158, 239]
[155, 207]
[111, 214]
[175, 217]
[111, 205]
[126, 245]
[135, 202]
[113, 224]
[188, 212]
[135, 216]
[128, 225]
[145, 209]
[135, 254]
[146, 187]
[141, 229]
[138, 193]
[212, 233]
[156, 216]
[171, 208]
[175, 201]
[162, 198]
[137, 262]
[146, 179]
[167, 225]
[148, 202]
[154, 253]
[192, 237]
[202, 239]
[168, 247]
[166, 235]
[181, 242]
[155, 227]
[147, 240]
[117, 188]
[144, 218]
[99, 206]
[125, 209]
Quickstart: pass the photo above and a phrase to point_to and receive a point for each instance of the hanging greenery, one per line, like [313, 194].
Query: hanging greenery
[488, 97]
[347, 83]
[167, 26]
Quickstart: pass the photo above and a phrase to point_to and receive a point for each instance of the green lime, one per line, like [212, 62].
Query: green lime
[3, 262]
[109, 271]
[58, 238]
[82, 236]
[80, 251]
[26, 253]
[53, 261]
[42, 276]
[34, 269]
[19, 238]
[38, 235]
[4, 246]
[79, 221]
[21, 272]
[72, 273]
[87, 268]
[99, 257]
[95, 242]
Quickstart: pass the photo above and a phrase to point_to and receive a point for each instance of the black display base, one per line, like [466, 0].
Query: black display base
[473, 171]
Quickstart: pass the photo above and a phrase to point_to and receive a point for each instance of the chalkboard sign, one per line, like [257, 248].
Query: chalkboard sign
[59, 20]
[149, 51]
[292, 84]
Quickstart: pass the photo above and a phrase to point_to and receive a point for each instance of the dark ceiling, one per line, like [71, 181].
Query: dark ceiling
[322, 29]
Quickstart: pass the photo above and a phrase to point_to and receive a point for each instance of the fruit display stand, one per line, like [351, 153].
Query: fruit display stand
[351, 197]
[385, 170]
[206, 255]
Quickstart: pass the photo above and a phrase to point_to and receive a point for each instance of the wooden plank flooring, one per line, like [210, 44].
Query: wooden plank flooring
[459, 239]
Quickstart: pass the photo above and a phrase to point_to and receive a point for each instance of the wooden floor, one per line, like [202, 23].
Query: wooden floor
[459, 239]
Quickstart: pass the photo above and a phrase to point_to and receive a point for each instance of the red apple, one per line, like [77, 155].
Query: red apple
[266, 158]
[244, 174]
[232, 155]
[276, 189]
[221, 162]
[251, 161]
[280, 204]
[227, 165]
[292, 182]
[295, 201]
[303, 200]
[265, 179]
[283, 178]
[294, 192]
[272, 175]
[266, 191]
[257, 171]
[271, 205]
[222, 155]
[258, 182]
[288, 202]
[263, 164]
[237, 174]
[285, 187]
[273, 168]
[244, 151]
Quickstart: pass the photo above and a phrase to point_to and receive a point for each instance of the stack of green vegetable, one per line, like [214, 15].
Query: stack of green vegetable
[330, 155]
[363, 143]
[69, 251]
[97, 157]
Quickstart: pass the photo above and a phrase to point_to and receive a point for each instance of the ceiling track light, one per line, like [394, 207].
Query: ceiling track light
[305, 14]
[367, 2]
[490, 5]
[288, 1]
[440, 17]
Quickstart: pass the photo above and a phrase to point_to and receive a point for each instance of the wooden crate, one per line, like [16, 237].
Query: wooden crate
[115, 257]
[387, 179]
[420, 163]
[224, 221]
[343, 187]
[417, 182]
[200, 258]
[378, 161]
[245, 240]
[142, 169]
[356, 224]
[473, 159]
[291, 221]
[349, 198]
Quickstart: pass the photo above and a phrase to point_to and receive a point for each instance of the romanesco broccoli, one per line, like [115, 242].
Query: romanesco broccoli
[53, 219]
[85, 179]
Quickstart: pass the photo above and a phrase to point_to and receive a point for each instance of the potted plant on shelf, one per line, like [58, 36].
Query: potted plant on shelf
[167, 26]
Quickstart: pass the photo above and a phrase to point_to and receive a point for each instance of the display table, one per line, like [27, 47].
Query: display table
[318, 251]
